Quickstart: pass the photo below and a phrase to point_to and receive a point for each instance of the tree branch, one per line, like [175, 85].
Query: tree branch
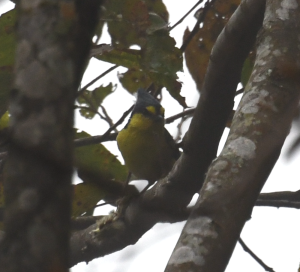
[171, 119]
[107, 118]
[106, 136]
[278, 203]
[122, 231]
[254, 256]
[259, 128]
[279, 199]
[112, 136]
[80, 92]
[83, 222]
[183, 17]
[201, 18]
[283, 196]
[200, 146]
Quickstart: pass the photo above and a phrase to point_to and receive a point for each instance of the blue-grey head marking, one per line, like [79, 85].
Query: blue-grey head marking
[145, 99]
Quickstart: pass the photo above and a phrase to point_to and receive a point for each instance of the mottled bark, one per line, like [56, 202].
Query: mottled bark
[260, 126]
[54, 39]
[167, 200]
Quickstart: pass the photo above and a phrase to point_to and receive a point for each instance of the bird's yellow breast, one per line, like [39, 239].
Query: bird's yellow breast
[143, 147]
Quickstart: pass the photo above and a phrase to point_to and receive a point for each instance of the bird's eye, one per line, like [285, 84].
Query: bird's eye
[151, 110]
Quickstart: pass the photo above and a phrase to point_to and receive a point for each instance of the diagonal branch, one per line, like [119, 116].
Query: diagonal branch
[81, 91]
[254, 256]
[112, 136]
[107, 136]
[183, 17]
[107, 118]
[200, 146]
[259, 128]
[201, 18]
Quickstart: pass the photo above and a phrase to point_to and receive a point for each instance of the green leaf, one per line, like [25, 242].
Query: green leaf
[95, 165]
[143, 23]
[198, 51]
[134, 79]
[159, 8]
[127, 21]
[161, 55]
[157, 23]
[8, 38]
[97, 162]
[85, 198]
[93, 99]
[171, 84]
[163, 60]
[4, 120]
[129, 58]
[7, 56]
[6, 79]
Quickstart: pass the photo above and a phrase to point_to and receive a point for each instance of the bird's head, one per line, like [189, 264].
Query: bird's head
[148, 106]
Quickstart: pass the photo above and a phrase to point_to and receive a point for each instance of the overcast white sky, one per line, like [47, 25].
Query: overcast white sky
[273, 234]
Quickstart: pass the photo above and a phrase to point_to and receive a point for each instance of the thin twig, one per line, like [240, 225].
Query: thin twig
[93, 109]
[181, 20]
[196, 27]
[283, 195]
[248, 250]
[191, 35]
[278, 203]
[112, 136]
[100, 205]
[157, 92]
[120, 121]
[106, 136]
[95, 140]
[293, 147]
[179, 115]
[150, 87]
[191, 111]
[107, 117]
[239, 91]
[96, 79]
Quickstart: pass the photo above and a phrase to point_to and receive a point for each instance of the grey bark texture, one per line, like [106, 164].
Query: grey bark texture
[54, 39]
[168, 199]
[259, 128]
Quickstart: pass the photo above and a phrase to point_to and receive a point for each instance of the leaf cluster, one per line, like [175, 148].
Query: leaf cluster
[141, 42]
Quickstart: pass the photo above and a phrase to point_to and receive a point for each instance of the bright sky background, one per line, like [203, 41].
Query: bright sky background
[273, 234]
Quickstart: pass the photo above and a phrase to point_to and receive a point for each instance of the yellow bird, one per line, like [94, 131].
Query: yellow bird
[148, 149]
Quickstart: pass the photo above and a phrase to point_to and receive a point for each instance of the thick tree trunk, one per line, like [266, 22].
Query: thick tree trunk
[259, 128]
[54, 39]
